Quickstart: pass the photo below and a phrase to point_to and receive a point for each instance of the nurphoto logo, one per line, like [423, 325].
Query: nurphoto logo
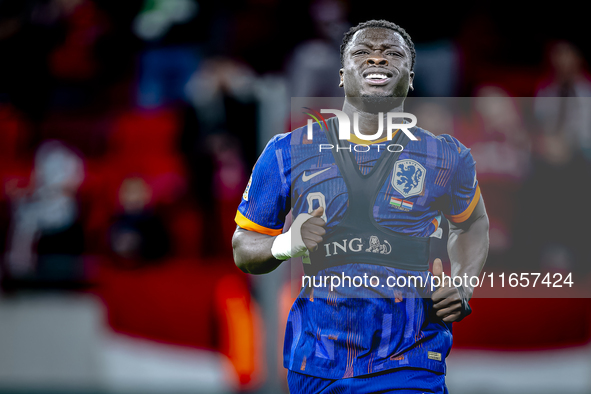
[392, 119]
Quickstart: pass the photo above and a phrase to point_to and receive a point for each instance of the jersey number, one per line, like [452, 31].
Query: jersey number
[317, 196]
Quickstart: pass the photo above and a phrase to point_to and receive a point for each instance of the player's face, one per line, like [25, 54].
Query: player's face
[377, 63]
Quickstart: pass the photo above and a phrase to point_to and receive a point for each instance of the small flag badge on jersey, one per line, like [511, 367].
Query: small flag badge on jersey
[395, 202]
[401, 204]
[434, 356]
[407, 204]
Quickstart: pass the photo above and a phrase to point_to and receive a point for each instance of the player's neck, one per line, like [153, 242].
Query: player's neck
[368, 114]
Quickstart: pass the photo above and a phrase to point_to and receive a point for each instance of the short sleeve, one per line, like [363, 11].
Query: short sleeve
[464, 192]
[265, 201]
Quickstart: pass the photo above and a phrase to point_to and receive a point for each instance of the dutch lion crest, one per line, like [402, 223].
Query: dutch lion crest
[408, 177]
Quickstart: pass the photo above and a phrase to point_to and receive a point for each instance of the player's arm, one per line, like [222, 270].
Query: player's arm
[258, 253]
[467, 243]
[258, 244]
[467, 247]
[252, 251]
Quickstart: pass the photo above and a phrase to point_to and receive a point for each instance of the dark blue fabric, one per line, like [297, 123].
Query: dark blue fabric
[399, 381]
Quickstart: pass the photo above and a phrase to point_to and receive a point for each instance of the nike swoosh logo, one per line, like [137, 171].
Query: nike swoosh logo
[306, 178]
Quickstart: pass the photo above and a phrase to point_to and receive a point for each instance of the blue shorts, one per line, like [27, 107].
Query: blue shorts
[398, 381]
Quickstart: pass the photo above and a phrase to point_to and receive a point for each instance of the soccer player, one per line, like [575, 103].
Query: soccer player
[365, 211]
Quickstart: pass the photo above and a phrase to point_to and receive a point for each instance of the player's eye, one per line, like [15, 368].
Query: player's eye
[361, 52]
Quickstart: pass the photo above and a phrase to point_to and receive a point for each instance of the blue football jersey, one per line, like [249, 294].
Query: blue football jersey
[346, 332]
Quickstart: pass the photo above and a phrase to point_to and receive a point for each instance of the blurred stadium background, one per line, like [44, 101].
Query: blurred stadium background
[127, 133]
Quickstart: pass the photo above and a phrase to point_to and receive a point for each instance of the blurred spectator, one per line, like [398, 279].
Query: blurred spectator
[158, 16]
[164, 73]
[564, 97]
[167, 63]
[498, 138]
[223, 94]
[553, 209]
[221, 139]
[229, 175]
[138, 235]
[74, 58]
[312, 68]
[46, 237]
[229, 179]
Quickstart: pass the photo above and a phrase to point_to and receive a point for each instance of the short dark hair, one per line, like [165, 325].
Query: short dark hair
[384, 24]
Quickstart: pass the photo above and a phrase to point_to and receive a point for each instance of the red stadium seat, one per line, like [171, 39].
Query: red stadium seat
[183, 302]
[145, 133]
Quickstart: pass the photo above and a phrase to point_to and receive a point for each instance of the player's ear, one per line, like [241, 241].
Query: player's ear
[412, 77]
[341, 84]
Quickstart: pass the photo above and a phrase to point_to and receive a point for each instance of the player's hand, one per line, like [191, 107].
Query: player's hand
[448, 302]
[313, 229]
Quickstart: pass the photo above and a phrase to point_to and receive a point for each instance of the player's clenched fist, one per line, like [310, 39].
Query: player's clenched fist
[313, 230]
[450, 302]
[304, 234]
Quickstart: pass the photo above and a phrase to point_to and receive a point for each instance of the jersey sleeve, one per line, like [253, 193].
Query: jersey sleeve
[464, 192]
[265, 202]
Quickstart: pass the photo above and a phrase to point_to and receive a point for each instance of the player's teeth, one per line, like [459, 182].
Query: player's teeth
[376, 76]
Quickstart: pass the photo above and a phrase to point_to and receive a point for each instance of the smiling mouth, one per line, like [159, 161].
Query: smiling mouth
[378, 78]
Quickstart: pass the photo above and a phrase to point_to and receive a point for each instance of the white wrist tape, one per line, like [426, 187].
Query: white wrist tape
[291, 244]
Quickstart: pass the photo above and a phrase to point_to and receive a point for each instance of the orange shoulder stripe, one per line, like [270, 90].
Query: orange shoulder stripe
[248, 224]
[462, 217]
